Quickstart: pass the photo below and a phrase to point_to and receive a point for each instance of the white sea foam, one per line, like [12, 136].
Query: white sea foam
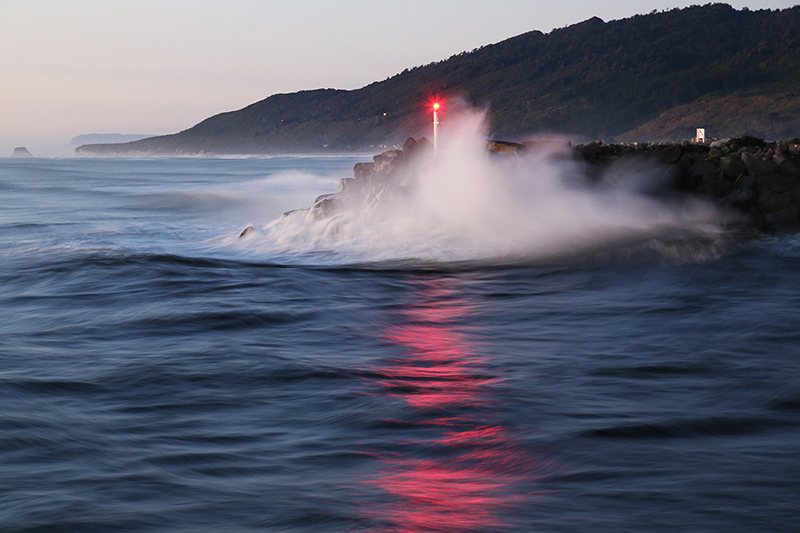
[470, 206]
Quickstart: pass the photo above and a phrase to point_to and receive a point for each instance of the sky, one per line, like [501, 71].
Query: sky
[72, 67]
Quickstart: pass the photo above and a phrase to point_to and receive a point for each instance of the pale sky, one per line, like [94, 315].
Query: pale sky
[71, 67]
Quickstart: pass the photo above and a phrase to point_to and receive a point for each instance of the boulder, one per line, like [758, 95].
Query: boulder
[363, 170]
[784, 219]
[702, 167]
[757, 166]
[504, 147]
[776, 183]
[745, 182]
[673, 155]
[786, 165]
[328, 205]
[716, 187]
[774, 202]
[740, 197]
[387, 161]
[732, 166]
[351, 186]
[589, 150]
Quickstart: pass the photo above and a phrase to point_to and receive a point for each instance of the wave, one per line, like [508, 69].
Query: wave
[469, 206]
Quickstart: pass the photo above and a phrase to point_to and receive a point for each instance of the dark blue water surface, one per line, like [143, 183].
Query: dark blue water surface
[155, 378]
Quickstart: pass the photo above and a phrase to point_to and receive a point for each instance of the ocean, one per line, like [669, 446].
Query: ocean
[622, 364]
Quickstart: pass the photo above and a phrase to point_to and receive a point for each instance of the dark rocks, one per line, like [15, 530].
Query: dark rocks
[740, 197]
[773, 202]
[757, 166]
[385, 162]
[732, 167]
[21, 151]
[786, 165]
[363, 170]
[776, 183]
[504, 147]
[763, 181]
[745, 182]
[415, 148]
[784, 219]
[702, 167]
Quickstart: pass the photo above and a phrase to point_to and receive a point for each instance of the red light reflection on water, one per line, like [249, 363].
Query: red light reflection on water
[465, 479]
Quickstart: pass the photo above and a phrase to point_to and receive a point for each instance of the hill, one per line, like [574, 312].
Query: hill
[95, 138]
[649, 77]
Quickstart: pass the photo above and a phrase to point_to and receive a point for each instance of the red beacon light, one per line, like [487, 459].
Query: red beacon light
[436, 106]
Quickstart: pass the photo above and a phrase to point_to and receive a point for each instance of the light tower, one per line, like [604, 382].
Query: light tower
[435, 125]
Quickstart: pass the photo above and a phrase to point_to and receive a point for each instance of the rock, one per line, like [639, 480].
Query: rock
[351, 186]
[328, 205]
[689, 159]
[673, 155]
[745, 182]
[387, 161]
[740, 197]
[21, 151]
[786, 165]
[774, 202]
[421, 147]
[247, 231]
[363, 170]
[757, 166]
[504, 147]
[776, 183]
[784, 219]
[589, 150]
[701, 168]
[714, 154]
[732, 167]
[716, 187]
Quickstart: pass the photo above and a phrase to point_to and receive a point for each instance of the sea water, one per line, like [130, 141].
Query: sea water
[160, 374]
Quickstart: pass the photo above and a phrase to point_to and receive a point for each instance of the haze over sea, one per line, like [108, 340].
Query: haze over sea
[614, 363]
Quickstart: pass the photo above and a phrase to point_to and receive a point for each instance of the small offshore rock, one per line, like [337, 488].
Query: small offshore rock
[21, 151]
[246, 231]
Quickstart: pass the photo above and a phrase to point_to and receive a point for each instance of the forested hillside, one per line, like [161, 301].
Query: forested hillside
[649, 77]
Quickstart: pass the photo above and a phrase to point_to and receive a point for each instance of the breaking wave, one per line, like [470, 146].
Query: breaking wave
[468, 205]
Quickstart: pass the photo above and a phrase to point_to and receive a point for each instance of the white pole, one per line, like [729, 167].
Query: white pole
[435, 126]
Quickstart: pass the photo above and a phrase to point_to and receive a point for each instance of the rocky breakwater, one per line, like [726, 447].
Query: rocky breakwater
[760, 179]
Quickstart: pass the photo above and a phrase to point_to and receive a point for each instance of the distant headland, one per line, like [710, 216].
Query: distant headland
[646, 78]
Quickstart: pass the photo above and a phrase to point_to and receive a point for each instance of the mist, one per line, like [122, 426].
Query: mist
[469, 205]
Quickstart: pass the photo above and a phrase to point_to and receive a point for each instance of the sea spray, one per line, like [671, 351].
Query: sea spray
[466, 204]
